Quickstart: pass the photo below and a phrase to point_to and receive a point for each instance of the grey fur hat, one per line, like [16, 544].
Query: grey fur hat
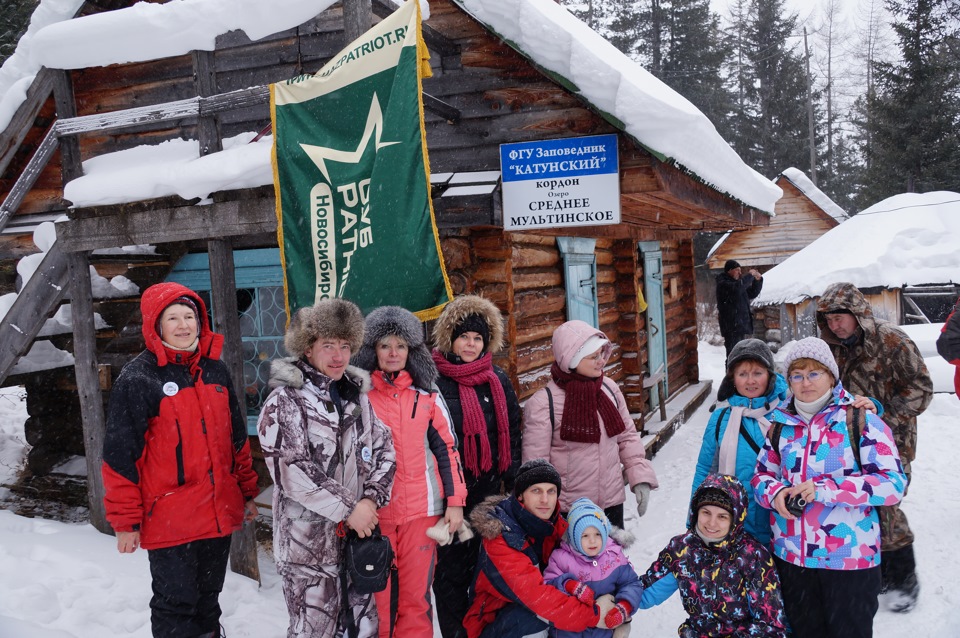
[394, 320]
[327, 319]
[458, 310]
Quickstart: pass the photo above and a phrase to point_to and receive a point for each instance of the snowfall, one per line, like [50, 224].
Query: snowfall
[60, 580]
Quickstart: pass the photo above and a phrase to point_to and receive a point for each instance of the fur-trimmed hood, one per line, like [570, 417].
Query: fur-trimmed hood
[394, 320]
[458, 310]
[484, 522]
[327, 319]
[287, 373]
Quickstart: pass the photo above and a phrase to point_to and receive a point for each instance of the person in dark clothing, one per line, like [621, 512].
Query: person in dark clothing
[486, 416]
[734, 292]
[177, 470]
[948, 344]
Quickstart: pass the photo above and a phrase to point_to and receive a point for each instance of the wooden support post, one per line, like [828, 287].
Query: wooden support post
[88, 384]
[356, 18]
[243, 548]
[71, 166]
[205, 80]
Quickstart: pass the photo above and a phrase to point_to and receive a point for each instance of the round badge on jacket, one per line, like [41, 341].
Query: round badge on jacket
[366, 454]
[170, 388]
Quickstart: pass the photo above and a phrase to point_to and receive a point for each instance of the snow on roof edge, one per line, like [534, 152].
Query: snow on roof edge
[803, 183]
[736, 180]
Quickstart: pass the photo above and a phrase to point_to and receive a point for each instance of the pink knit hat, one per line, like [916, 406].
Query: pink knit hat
[816, 349]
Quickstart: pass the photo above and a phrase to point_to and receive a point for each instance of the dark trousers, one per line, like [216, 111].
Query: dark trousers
[731, 340]
[829, 603]
[452, 579]
[515, 621]
[187, 580]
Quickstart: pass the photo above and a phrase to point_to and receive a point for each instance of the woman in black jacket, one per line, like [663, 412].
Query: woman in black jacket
[486, 416]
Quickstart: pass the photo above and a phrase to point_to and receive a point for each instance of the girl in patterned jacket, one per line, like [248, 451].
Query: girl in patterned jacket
[827, 549]
[591, 557]
[332, 462]
[725, 576]
[429, 479]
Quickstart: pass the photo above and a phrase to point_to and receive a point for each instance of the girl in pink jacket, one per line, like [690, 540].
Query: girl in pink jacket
[429, 481]
[580, 423]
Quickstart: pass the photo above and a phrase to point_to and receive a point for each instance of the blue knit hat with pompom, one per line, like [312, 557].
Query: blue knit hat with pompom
[584, 514]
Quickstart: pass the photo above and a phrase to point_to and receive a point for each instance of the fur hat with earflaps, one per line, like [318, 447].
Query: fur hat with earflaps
[469, 313]
[399, 322]
[327, 319]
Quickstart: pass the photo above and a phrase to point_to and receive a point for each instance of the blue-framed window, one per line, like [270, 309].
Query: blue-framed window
[580, 278]
[263, 317]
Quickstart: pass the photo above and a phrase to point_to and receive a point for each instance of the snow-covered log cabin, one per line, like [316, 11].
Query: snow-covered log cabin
[147, 126]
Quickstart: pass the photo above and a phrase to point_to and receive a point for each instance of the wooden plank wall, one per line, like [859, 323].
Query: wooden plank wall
[679, 300]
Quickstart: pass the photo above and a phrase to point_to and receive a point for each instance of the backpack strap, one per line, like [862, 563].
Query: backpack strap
[743, 431]
[775, 428]
[716, 430]
[553, 424]
[856, 423]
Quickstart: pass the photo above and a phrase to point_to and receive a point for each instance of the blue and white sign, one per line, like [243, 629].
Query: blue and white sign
[573, 181]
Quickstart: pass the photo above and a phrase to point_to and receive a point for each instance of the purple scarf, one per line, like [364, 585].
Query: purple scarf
[585, 397]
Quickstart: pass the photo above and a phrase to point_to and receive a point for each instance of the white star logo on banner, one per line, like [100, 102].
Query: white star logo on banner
[373, 128]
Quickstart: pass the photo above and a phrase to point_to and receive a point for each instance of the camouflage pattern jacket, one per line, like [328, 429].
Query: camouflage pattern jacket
[884, 363]
[322, 462]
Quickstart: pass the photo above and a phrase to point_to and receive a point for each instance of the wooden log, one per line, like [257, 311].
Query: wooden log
[356, 18]
[28, 177]
[539, 302]
[37, 300]
[17, 130]
[538, 327]
[183, 223]
[71, 166]
[87, 375]
[534, 355]
[527, 256]
[205, 80]
[528, 279]
[226, 320]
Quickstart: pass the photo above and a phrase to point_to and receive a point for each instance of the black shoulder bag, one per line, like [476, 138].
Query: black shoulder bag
[366, 566]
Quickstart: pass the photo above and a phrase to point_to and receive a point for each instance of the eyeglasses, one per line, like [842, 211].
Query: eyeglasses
[812, 377]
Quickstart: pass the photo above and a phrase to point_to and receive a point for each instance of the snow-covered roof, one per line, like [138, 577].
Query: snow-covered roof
[655, 115]
[907, 239]
[814, 194]
[19, 69]
[649, 111]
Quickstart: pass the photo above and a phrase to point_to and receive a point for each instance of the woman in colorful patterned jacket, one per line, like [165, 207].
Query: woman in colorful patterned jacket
[485, 414]
[176, 461]
[429, 474]
[827, 549]
[332, 462]
[520, 532]
[726, 577]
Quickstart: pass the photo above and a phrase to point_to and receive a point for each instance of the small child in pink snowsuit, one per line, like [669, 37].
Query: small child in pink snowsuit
[589, 563]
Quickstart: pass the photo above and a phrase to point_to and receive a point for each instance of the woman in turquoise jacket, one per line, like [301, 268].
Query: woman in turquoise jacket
[748, 394]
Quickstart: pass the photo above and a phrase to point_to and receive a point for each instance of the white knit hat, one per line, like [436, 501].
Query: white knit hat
[591, 345]
[816, 349]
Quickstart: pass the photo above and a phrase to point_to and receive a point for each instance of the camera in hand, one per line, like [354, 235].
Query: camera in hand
[795, 504]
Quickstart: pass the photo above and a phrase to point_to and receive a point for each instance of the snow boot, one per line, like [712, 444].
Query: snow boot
[900, 579]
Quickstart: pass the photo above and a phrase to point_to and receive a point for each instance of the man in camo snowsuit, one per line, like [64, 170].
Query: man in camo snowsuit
[879, 360]
[332, 462]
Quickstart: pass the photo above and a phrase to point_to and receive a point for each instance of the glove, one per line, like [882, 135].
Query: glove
[642, 492]
[618, 615]
[623, 631]
[441, 533]
[578, 590]
[604, 604]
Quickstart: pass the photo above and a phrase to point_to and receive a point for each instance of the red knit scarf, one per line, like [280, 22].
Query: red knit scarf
[468, 375]
[585, 397]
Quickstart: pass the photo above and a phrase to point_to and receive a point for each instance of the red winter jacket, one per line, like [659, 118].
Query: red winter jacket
[948, 344]
[429, 472]
[176, 459]
[515, 551]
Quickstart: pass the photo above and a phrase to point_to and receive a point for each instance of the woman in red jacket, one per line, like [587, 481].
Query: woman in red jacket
[176, 461]
[429, 479]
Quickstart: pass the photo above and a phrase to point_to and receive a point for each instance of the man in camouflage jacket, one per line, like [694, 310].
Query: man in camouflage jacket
[879, 360]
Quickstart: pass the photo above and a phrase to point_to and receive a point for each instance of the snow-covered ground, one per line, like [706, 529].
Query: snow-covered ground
[62, 580]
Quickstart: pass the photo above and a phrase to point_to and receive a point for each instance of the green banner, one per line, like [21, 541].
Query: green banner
[352, 179]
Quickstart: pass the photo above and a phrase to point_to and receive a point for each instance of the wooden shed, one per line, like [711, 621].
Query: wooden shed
[633, 279]
[900, 252]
